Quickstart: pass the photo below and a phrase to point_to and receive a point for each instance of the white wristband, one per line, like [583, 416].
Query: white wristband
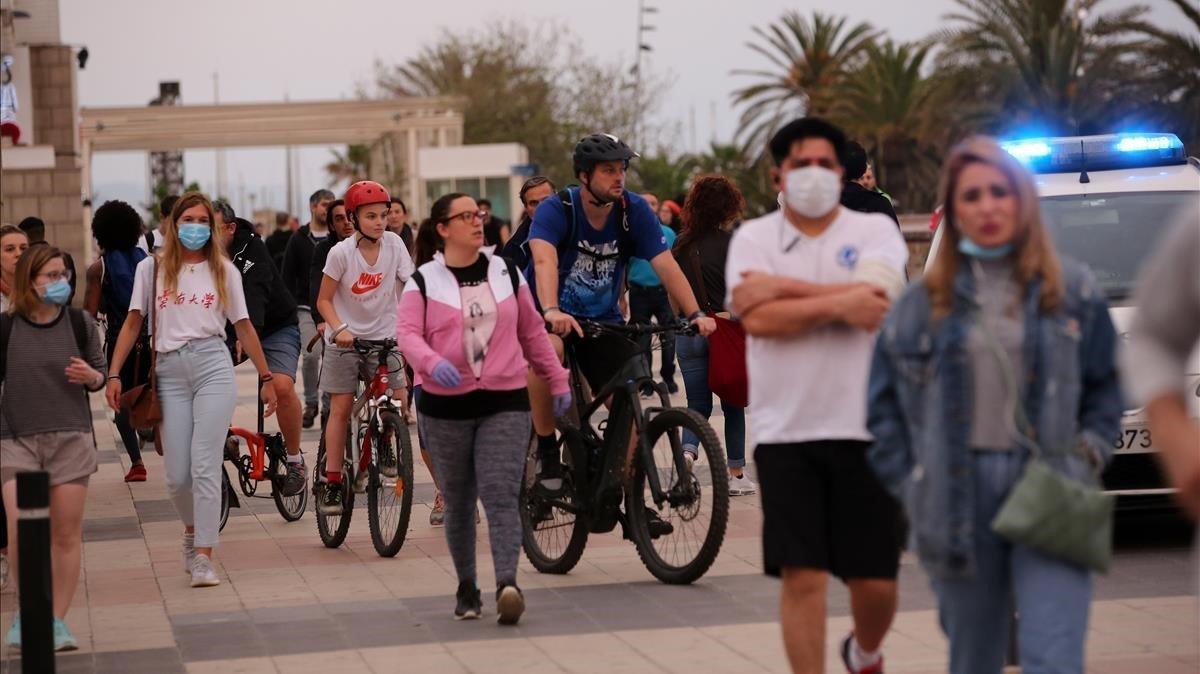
[337, 332]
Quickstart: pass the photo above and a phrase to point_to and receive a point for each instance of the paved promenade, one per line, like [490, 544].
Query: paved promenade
[287, 604]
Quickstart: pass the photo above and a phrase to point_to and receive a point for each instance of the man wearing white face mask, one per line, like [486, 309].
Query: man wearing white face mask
[812, 282]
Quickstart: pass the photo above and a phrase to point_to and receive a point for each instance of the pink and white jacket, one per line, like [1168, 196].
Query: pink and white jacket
[430, 328]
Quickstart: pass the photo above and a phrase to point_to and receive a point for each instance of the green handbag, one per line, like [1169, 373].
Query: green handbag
[1058, 516]
[1046, 510]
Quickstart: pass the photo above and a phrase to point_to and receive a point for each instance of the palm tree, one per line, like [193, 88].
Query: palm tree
[1174, 73]
[810, 60]
[1053, 64]
[353, 164]
[890, 106]
[662, 174]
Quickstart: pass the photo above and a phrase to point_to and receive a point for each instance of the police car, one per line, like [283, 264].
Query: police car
[1107, 201]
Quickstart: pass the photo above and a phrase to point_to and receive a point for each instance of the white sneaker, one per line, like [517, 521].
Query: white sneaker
[203, 573]
[741, 486]
[187, 550]
[689, 457]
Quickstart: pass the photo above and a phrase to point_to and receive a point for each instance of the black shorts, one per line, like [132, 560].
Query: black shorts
[824, 508]
[600, 357]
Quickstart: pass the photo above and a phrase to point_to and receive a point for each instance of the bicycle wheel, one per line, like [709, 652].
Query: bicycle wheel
[332, 528]
[226, 488]
[697, 508]
[291, 508]
[389, 499]
[553, 538]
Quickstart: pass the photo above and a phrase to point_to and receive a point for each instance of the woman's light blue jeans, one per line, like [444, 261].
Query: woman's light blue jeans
[693, 363]
[197, 393]
[1052, 597]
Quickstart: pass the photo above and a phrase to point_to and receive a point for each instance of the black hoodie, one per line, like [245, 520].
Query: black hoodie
[268, 301]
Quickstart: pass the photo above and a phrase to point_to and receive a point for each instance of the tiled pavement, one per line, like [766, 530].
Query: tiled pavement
[287, 604]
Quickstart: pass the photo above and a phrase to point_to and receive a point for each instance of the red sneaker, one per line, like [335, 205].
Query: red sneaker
[847, 644]
[137, 473]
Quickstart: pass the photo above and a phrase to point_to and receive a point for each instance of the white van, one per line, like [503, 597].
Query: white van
[1107, 201]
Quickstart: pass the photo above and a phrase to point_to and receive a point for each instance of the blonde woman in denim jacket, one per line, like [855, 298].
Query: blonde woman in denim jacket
[997, 305]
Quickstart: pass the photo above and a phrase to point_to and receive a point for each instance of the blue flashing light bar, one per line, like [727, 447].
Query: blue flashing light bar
[1066, 154]
[1027, 149]
[1140, 143]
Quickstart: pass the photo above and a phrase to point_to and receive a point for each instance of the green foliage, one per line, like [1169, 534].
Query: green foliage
[1057, 66]
[524, 84]
[810, 61]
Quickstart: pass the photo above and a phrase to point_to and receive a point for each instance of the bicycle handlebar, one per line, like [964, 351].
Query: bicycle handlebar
[593, 328]
[362, 346]
[366, 347]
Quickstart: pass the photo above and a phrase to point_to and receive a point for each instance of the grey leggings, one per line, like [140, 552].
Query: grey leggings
[481, 458]
[197, 392]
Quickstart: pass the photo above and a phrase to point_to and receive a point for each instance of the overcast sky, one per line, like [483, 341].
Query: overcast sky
[263, 50]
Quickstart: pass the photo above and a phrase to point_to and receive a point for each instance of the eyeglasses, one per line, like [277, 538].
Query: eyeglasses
[466, 216]
[56, 276]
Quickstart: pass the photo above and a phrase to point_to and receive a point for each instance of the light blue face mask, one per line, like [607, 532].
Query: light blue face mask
[57, 293]
[193, 235]
[968, 247]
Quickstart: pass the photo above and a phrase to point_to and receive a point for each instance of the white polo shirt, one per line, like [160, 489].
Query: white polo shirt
[814, 386]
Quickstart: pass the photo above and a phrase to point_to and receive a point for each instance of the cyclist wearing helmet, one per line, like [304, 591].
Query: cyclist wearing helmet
[579, 260]
[363, 276]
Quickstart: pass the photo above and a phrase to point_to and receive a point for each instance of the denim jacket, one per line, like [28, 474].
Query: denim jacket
[919, 409]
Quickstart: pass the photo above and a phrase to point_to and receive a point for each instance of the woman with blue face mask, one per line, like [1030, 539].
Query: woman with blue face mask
[1001, 350]
[192, 290]
[52, 357]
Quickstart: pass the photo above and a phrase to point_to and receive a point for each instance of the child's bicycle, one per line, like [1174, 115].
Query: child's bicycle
[378, 457]
[265, 459]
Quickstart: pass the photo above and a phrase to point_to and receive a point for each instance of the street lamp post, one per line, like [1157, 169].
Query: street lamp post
[643, 28]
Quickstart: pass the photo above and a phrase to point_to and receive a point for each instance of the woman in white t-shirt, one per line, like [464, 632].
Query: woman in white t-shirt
[196, 291]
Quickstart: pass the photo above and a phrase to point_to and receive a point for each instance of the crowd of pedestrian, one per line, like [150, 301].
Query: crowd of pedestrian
[884, 412]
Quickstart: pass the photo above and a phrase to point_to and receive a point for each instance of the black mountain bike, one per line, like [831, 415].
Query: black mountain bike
[660, 482]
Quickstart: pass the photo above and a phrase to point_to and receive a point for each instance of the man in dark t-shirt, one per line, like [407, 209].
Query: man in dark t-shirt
[856, 197]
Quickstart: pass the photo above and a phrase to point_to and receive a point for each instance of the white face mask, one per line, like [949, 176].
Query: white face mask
[812, 191]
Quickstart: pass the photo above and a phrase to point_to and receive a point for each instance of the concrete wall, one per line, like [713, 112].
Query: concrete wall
[53, 194]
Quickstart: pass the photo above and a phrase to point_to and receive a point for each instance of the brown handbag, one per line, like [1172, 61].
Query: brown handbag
[141, 401]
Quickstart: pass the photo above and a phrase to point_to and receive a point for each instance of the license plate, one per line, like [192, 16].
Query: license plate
[1134, 440]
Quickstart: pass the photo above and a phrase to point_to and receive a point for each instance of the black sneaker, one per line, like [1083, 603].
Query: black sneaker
[294, 482]
[657, 526]
[672, 387]
[310, 416]
[332, 496]
[470, 602]
[510, 604]
[550, 477]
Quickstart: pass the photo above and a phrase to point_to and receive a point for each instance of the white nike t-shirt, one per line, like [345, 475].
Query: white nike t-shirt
[193, 310]
[367, 295]
[814, 386]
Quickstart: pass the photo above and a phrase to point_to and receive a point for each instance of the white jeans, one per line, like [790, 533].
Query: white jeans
[197, 392]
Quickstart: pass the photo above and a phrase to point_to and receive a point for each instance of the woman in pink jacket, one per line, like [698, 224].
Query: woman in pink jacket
[468, 326]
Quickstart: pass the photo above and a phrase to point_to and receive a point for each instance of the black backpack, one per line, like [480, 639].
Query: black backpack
[517, 248]
[78, 326]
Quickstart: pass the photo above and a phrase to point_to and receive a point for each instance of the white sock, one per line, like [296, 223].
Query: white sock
[295, 458]
[860, 658]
